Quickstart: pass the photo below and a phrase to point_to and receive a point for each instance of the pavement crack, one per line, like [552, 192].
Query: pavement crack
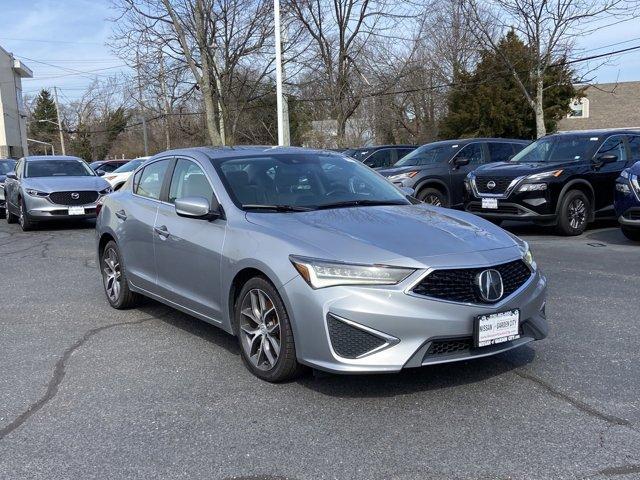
[59, 372]
[622, 470]
[579, 404]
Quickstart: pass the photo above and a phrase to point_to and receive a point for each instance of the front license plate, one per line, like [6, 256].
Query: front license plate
[490, 203]
[76, 210]
[496, 328]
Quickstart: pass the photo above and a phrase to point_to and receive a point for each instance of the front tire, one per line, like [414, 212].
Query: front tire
[25, 220]
[11, 218]
[114, 279]
[264, 332]
[433, 196]
[575, 212]
[632, 234]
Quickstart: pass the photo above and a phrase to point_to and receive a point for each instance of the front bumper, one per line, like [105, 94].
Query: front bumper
[41, 209]
[408, 325]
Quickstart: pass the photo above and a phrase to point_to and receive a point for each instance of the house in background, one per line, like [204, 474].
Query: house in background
[607, 105]
[13, 125]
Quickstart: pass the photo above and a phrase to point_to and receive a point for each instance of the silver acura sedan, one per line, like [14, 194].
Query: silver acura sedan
[311, 258]
[46, 188]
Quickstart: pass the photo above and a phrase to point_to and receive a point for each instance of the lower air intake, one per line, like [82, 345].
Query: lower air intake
[351, 342]
[449, 347]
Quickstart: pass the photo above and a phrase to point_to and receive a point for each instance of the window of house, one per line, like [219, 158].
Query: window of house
[579, 108]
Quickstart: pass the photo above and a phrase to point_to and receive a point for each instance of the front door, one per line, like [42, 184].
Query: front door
[475, 153]
[603, 178]
[188, 250]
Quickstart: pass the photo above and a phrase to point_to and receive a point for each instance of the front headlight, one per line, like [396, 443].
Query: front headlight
[36, 193]
[541, 176]
[323, 273]
[624, 173]
[527, 256]
[106, 191]
[532, 187]
[403, 176]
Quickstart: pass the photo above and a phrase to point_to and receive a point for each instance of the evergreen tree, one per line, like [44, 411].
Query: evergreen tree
[81, 143]
[488, 102]
[115, 123]
[43, 125]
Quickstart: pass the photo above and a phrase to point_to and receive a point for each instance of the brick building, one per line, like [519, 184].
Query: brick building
[607, 105]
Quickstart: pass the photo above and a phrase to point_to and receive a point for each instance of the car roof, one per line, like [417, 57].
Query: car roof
[602, 131]
[39, 158]
[378, 147]
[459, 141]
[221, 153]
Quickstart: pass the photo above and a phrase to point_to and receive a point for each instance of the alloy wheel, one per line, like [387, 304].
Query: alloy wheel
[21, 215]
[433, 200]
[260, 329]
[111, 274]
[577, 213]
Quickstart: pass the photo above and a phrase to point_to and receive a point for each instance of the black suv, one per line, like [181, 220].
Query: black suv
[381, 156]
[437, 171]
[566, 179]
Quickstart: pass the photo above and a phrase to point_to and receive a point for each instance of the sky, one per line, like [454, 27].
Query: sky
[58, 38]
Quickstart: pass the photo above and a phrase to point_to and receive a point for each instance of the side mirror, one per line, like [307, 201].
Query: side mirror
[607, 158]
[100, 173]
[196, 207]
[12, 175]
[408, 191]
[461, 161]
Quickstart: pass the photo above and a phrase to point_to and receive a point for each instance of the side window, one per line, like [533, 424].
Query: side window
[150, 182]
[518, 147]
[473, 152]
[634, 146]
[107, 167]
[189, 180]
[614, 146]
[381, 158]
[403, 152]
[500, 152]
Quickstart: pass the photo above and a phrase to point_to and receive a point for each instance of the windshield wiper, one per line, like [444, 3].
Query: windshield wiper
[278, 208]
[361, 203]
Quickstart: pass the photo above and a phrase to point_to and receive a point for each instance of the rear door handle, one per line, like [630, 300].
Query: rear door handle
[121, 215]
[162, 231]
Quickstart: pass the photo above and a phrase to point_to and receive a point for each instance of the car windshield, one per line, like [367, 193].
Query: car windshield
[305, 182]
[428, 155]
[6, 166]
[558, 148]
[129, 166]
[58, 168]
[358, 153]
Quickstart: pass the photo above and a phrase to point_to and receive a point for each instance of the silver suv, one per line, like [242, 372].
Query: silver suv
[312, 258]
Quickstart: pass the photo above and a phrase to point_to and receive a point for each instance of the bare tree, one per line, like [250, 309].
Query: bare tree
[548, 27]
[217, 40]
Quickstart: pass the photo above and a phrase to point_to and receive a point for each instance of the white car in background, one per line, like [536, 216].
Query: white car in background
[121, 174]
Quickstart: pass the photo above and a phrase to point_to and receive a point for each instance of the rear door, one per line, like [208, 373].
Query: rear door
[475, 152]
[136, 217]
[189, 250]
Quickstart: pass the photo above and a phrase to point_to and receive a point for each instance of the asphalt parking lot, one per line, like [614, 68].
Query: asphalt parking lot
[90, 392]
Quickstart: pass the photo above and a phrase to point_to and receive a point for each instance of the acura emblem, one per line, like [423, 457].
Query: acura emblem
[490, 285]
[75, 196]
[491, 185]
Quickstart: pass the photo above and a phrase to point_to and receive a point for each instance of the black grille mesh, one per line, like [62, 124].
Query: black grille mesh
[450, 347]
[66, 198]
[502, 183]
[350, 342]
[459, 285]
[633, 215]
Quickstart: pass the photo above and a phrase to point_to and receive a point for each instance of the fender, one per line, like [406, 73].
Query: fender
[569, 185]
[433, 182]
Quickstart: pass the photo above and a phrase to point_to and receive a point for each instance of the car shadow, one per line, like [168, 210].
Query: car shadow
[529, 228]
[434, 377]
[610, 237]
[65, 225]
[423, 379]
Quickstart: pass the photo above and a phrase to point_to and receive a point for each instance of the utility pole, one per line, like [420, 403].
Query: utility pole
[55, 96]
[283, 122]
[144, 120]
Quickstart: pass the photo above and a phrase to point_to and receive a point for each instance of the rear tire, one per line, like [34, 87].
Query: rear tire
[575, 212]
[264, 332]
[25, 220]
[433, 196]
[631, 233]
[114, 279]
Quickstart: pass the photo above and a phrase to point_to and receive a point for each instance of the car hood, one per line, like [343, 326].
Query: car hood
[400, 235]
[387, 172]
[635, 169]
[62, 184]
[517, 169]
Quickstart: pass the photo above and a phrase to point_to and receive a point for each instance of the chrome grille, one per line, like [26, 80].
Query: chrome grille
[73, 198]
[501, 184]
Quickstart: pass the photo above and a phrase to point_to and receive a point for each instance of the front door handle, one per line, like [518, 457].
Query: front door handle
[121, 215]
[161, 231]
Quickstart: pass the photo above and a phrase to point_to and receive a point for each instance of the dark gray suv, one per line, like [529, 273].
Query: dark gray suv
[436, 171]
